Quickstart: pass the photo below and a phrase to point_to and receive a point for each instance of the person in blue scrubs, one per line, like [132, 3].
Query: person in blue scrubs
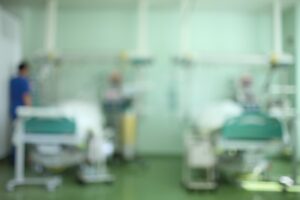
[19, 96]
[20, 90]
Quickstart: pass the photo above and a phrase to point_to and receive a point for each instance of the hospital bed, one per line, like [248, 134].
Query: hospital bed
[230, 137]
[253, 136]
[56, 129]
[50, 127]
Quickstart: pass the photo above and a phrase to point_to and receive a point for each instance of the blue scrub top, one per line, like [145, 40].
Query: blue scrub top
[19, 86]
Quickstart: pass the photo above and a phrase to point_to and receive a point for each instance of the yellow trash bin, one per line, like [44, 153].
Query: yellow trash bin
[129, 133]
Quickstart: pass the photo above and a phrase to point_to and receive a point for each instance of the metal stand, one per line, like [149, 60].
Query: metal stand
[200, 157]
[51, 183]
[91, 174]
[19, 140]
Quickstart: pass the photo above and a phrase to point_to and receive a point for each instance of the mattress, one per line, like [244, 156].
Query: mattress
[50, 126]
[253, 126]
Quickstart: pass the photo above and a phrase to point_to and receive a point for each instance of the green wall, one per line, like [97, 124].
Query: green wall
[97, 30]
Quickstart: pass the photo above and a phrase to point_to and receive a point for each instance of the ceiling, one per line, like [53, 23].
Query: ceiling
[165, 4]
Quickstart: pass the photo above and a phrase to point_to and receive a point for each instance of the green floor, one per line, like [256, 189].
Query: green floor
[159, 180]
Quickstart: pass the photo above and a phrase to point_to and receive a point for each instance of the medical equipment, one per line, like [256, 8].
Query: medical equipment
[284, 183]
[95, 169]
[141, 56]
[49, 128]
[21, 138]
[123, 123]
[199, 168]
[279, 103]
[245, 140]
[120, 112]
[239, 140]
[253, 135]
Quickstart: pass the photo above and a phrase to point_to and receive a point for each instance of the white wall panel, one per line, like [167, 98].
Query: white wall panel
[10, 54]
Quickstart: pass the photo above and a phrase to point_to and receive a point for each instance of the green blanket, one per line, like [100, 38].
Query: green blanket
[50, 126]
[252, 125]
